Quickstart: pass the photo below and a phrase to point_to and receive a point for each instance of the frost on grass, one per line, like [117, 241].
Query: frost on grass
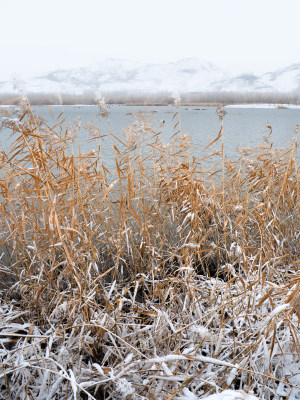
[165, 283]
[136, 350]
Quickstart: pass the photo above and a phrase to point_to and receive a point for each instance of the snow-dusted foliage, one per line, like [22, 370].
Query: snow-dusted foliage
[194, 333]
[168, 281]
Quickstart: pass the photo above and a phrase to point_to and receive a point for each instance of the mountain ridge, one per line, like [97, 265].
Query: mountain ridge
[185, 75]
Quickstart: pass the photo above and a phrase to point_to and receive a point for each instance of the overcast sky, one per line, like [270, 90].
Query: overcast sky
[240, 35]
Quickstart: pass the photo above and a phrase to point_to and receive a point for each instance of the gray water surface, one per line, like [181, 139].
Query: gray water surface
[243, 127]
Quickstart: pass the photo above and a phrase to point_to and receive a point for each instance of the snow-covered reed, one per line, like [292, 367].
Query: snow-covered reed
[167, 279]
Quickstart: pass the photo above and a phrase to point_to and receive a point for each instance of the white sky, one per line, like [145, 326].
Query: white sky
[240, 35]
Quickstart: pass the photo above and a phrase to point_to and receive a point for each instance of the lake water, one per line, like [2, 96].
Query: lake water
[242, 126]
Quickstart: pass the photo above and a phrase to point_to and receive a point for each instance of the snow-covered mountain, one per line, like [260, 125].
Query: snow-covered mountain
[186, 75]
[281, 80]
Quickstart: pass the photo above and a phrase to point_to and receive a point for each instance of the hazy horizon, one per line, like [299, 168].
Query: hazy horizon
[97, 63]
[241, 37]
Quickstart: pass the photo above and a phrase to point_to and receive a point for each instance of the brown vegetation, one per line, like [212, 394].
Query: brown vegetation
[164, 279]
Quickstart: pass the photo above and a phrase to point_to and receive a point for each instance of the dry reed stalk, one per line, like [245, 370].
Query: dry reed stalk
[171, 280]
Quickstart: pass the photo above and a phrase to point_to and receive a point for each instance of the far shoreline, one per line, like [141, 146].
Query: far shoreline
[253, 105]
[142, 98]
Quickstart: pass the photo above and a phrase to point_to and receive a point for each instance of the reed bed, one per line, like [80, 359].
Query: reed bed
[167, 278]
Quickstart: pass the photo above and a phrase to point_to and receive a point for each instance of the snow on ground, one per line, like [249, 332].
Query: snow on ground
[231, 395]
[139, 355]
[257, 105]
